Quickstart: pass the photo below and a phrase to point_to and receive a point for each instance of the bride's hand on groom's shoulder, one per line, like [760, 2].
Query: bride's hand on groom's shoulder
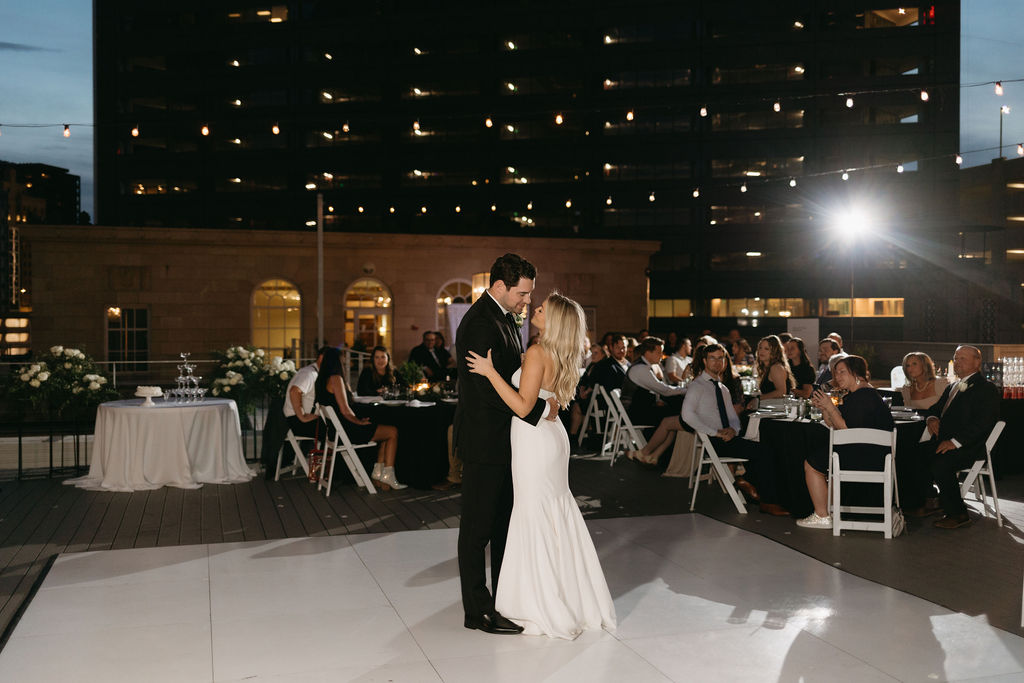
[480, 365]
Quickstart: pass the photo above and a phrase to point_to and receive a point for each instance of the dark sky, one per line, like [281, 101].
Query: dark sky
[46, 78]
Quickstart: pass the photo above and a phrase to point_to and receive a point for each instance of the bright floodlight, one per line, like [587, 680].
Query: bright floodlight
[853, 224]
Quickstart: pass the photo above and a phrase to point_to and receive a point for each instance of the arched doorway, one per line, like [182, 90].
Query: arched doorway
[453, 299]
[277, 318]
[368, 314]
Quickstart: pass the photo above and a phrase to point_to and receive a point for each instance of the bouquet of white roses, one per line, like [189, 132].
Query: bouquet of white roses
[247, 374]
[62, 382]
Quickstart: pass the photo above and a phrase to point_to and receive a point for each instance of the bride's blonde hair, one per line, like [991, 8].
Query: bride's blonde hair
[564, 338]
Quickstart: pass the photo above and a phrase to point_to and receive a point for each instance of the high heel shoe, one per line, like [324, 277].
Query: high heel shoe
[387, 478]
[377, 474]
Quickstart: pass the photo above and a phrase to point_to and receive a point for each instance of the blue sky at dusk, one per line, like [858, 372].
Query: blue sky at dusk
[46, 78]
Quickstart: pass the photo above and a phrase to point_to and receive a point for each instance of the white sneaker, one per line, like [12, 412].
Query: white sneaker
[813, 521]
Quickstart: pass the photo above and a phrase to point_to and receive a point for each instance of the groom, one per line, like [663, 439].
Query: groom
[482, 425]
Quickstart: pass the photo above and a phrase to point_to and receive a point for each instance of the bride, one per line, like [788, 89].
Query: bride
[551, 581]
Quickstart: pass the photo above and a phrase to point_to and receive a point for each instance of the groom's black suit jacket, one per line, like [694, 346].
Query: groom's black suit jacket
[971, 415]
[482, 420]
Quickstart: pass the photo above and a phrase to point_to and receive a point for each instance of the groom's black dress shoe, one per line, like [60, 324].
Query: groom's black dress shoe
[493, 622]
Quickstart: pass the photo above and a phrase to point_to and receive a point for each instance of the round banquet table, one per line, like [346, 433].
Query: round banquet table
[422, 458]
[790, 442]
[184, 445]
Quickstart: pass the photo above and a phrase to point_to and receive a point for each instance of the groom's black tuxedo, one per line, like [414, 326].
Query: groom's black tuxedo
[481, 433]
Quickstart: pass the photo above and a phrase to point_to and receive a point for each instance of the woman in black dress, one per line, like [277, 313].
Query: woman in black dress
[800, 365]
[773, 368]
[331, 391]
[379, 376]
[862, 407]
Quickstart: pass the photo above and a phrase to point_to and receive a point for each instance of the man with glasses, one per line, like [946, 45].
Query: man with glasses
[707, 407]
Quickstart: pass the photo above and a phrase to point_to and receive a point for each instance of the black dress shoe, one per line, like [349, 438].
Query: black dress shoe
[952, 521]
[492, 622]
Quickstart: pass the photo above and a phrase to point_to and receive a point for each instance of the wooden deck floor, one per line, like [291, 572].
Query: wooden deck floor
[41, 518]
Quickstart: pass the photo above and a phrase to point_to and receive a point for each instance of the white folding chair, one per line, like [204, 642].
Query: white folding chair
[976, 473]
[594, 413]
[611, 420]
[300, 459]
[838, 476]
[341, 445]
[896, 378]
[718, 466]
[626, 435]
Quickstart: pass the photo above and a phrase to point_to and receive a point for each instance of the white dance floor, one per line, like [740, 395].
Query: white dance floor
[697, 600]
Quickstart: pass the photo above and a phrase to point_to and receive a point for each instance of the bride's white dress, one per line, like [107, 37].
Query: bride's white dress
[551, 581]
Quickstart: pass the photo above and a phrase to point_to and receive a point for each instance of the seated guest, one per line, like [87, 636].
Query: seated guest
[644, 389]
[959, 423]
[923, 388]
[331, 391]
[379, 376]
[773, 368]
[837, 338]
[827, 348]
[675, 363]
[800, 365]
[631, 344]
[784, 337]
[300, 398]
[741, 354]
[447, 363]
[708, 408]
[671, 341]
[862, 407]
[611, 371]
[583, 392]
[427, 357]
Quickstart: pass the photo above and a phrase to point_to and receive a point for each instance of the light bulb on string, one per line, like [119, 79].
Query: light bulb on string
[703, 112]
[792, 182]
[846, 176]
[67, 130]
[743, 187]
[344, 127]
[1020, 149]
[558, 119]
[135, 132]
[629, 115]
[650, 197]
[568, 203]
[696, 192]
[959, 160]
[777, 106]
[924, 95]
[849, 103]
[360, 209]
[999, 88]
[415, 125]
[205, 130]
[608, 201]
[275, 129]
[458, 209]
[488, 122]
[899, 168]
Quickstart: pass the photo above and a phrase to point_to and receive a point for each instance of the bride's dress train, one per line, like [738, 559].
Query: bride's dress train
[551, 581]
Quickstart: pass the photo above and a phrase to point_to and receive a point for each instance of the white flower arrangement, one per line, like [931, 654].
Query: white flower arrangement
[63, 382]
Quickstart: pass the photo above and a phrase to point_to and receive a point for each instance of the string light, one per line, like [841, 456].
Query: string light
[135, 132]
[849, 103]
[959, 160]
[67, 130]
[568, 203]
[391, 209]
[777, 106]
[511, 45]
[696, 192]
[458, 209]
[494, 207]
[529, 206]
[205, 130]
[360, 209]
[999, 88]
[415, 125]
[743, 187]
[558, 119]
[846, 176]
[924, 95]
[423, 209]
[703, 112]
[899, 168]
[650, 197]
[629, 115]
[488, 122]
[1020, 149]
[275, 129]
[608, 201]
[792, 182]
[344, 127]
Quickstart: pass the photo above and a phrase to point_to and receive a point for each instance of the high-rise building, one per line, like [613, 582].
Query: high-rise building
[739, 134]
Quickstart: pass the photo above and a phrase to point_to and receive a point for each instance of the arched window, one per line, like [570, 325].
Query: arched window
[277, 318]
[368, 314]
[452, 299]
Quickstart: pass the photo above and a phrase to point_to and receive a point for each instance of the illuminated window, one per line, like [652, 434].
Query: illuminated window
[863, 308]
[458, 293]
[669, 308]
[369, 312]
[759, 307]
[277, 318]
[15, 337]
[128, 338]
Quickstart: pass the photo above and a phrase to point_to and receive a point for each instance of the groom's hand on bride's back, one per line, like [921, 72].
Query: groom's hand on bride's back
[553, 410]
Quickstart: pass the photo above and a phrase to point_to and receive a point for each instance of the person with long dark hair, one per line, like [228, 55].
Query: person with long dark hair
[800, 365]
[378, 376]
[332, 391]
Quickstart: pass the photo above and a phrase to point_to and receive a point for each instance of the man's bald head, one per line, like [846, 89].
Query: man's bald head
[966, 360]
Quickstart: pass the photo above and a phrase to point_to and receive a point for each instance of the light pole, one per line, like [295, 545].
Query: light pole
[852, 225]
[1003, 111]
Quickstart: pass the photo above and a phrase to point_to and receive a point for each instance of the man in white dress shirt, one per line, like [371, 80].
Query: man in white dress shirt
[676, 363]
[300, 397]
[708, 409]
[644, 391]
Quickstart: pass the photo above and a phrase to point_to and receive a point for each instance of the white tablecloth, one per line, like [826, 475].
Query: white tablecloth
[169, 444]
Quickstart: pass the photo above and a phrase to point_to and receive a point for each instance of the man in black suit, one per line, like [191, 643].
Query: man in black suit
[959, 424]
[611, 370]
[428, 357]
[482, 426]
